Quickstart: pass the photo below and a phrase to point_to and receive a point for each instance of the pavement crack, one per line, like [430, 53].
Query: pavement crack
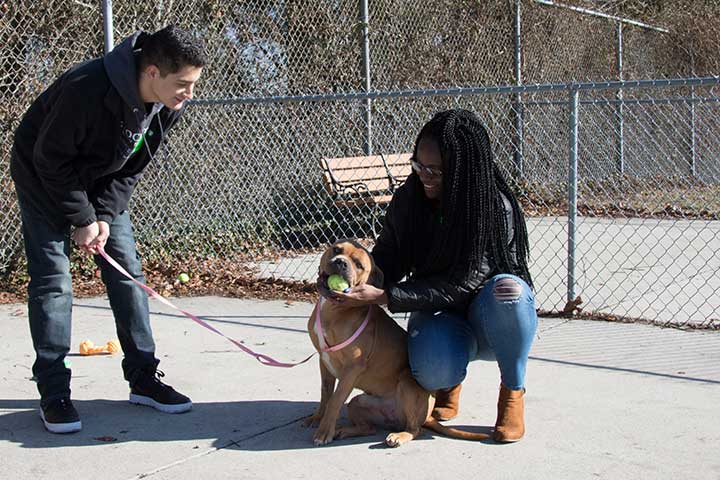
[259, 434]
[210, 451]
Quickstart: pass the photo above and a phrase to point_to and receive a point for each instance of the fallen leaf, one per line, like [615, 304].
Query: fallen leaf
[573, 305]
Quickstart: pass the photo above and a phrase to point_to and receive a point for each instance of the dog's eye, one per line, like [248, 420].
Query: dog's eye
[337, 250]
[359, 265]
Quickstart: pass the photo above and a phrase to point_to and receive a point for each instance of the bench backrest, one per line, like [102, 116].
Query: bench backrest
[381, 173]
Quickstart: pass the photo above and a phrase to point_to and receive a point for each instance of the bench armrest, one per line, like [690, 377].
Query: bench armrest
[357, 188]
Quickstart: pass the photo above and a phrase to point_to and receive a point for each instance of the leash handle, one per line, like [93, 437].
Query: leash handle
[262, 358]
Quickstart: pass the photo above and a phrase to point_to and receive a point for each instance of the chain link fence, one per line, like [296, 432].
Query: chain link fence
[240, 177]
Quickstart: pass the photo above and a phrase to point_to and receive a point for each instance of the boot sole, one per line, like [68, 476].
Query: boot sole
[165, 408]
[507, 440]
[70, 427]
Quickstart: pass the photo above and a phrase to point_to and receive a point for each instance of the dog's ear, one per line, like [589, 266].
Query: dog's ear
[377, 277]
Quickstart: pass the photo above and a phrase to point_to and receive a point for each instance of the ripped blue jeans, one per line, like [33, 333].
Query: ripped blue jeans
[499, 325]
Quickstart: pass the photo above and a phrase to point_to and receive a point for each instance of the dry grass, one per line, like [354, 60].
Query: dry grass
[628, 198]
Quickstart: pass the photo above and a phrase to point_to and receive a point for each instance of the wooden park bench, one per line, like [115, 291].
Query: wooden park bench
[365, 181]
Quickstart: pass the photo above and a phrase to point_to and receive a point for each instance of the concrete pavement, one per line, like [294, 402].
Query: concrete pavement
[604, 400]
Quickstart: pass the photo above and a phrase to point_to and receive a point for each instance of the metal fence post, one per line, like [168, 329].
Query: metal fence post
[108, 24]
[619, 108]
[519, 134]
[572, 193]
[364, 19]
[693, 147]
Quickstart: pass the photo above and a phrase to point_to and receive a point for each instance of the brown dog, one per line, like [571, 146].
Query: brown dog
[376, 362]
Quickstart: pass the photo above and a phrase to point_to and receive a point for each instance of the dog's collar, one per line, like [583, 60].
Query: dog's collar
[324, 346]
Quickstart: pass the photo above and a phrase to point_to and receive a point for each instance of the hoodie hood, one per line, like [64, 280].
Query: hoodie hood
[121, 66]
[122, 69]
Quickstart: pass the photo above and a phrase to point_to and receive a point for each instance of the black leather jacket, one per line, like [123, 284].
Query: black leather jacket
[425, 287]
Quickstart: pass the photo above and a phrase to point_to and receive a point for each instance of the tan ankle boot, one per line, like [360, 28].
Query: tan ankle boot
[510, 423]
[447, 403]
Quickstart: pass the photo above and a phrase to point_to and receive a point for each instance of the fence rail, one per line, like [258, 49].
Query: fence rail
[462, 91]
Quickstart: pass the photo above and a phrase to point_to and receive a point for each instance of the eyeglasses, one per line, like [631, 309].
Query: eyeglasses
[420, 168]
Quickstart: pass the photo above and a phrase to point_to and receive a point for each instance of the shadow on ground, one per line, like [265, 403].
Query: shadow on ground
[118, 421]
[248, 425]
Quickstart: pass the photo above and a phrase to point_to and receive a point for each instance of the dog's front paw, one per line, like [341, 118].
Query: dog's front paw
[323, 436]
[313, 420]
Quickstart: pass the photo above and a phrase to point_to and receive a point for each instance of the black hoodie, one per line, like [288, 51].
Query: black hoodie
[78, 153]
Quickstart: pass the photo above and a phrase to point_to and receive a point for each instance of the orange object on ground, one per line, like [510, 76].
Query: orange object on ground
[88, 348]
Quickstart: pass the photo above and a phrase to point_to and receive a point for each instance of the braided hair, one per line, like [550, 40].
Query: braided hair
[472, 208]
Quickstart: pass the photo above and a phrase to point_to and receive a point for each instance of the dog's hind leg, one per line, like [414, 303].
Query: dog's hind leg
[414, 405]
[361, 417]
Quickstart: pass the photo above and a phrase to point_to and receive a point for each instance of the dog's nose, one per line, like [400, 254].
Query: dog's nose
[340, 263]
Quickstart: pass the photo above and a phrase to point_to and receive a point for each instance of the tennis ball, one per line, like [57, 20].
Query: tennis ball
[337, 283]
[184, 277]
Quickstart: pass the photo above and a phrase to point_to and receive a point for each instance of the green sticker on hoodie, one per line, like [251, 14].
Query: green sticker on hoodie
[139, 144]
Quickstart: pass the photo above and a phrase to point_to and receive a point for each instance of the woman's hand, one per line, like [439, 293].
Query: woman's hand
[360, 295]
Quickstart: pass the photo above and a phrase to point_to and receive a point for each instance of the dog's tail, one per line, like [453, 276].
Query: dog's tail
[438, 427]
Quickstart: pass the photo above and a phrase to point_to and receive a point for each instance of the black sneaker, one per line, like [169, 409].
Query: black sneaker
[149, 390]
[59, 416]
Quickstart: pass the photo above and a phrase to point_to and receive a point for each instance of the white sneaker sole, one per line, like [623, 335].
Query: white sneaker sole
[149, 402]
[70, 427]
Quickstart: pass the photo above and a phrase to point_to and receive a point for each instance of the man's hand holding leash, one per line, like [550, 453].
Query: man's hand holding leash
[92, 237]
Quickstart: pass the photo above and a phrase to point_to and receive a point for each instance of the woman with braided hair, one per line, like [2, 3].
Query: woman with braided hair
[454, 251]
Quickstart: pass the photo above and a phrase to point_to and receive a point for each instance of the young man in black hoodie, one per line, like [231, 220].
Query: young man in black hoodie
[78, 153]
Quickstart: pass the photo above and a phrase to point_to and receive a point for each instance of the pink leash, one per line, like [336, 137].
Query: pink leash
[264, 359]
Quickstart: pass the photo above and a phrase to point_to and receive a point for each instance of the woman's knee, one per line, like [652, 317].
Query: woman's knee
[504, 295]
[504, 315]
[437, 374]
[438, 351]
[509, 288]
